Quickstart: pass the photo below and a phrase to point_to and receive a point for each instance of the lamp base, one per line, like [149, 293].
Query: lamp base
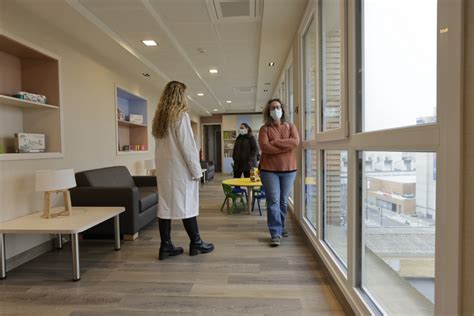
[47, 213]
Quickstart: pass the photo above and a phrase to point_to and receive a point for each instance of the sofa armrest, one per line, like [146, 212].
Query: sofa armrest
[110, 196]
[145, 181]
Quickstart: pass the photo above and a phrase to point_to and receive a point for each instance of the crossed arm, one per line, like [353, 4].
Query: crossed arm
[279, 145]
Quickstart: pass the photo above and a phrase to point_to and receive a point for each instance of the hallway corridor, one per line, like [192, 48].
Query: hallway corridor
[243, 276]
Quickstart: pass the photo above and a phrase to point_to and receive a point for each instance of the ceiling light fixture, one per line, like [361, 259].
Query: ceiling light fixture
[213, 71]
[228, 101]
[149, 43]
[200, 94]
[215, 110]
[271, 64]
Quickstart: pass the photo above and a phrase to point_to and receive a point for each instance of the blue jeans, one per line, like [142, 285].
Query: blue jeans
[277, 187]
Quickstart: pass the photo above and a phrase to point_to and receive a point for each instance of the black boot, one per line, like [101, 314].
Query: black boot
[197, 245]
[167, 248]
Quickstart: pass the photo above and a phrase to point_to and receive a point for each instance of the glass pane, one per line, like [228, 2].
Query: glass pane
[310, 187]
[331, 63]
[335, 202]
[289, 87]
[289, 94]
[309, 72]
[398, 63]
[399, 212]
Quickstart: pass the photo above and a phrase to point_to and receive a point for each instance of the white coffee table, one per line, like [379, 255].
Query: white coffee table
[82, 218]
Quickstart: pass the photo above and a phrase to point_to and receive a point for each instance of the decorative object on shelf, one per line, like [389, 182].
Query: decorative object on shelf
[136, 118]
[30, 143]
[2, 149]
[120, 115]
[55, 181]
[30, 97]
[126, 148]
[150, 166]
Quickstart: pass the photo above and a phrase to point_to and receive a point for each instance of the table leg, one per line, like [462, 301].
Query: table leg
[3, 259]
[76, 270]
[59, 241]
[204, 177]
[249, 199]
[117, 232]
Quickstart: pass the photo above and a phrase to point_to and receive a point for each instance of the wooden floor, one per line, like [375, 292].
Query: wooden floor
[243, 276]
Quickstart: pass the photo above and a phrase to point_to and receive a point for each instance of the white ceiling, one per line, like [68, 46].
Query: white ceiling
[239, 47]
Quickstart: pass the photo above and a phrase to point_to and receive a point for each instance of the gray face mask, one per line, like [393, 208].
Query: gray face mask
[276, 114]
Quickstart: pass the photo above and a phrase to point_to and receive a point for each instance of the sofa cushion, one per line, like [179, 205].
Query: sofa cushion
[118, 176]
[146, 199]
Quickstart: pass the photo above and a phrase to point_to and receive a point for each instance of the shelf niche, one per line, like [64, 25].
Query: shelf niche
[128, 133]
[23, 68]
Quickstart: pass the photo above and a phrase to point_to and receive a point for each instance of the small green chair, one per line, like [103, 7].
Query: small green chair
[229, 194]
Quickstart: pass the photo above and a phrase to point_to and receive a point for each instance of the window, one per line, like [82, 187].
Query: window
[398, 63]
[383, 166]
[310, 187]
[399, 221]
[335, 202]
[330, 63]
[309, 75]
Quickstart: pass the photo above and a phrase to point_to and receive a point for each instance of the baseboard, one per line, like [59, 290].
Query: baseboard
[29, 255]
[346, 307]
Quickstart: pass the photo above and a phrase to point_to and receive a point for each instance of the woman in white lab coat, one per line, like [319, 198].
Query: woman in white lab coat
[178, 171]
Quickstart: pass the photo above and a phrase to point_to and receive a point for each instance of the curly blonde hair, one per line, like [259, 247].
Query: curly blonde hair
[173, 103]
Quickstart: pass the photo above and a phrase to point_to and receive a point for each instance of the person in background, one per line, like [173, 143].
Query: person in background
[277, 140]
[245, 152]
[178, 171]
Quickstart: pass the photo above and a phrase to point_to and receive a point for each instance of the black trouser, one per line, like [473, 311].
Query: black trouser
[240, 168]
[190, 225]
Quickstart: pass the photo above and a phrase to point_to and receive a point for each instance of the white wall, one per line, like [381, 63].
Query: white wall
[88, 106]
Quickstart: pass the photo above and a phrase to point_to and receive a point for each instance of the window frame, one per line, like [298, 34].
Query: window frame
[443, 137]
[342, 132]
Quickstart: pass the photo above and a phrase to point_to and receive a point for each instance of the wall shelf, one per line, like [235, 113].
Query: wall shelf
[131, 135]
[127, 123]
[25, 67]
[30, 156]
[25, 104]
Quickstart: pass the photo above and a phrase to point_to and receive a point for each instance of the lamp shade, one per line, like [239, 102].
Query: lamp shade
[149, 164]
[54, 180]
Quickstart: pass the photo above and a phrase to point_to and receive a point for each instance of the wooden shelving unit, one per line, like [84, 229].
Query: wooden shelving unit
[130, 124]
[130, 134]
[25, 104]
[25, 67]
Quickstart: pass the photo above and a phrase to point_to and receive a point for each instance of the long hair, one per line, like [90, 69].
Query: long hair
[267, 119]
[249, 129]
[172, 103]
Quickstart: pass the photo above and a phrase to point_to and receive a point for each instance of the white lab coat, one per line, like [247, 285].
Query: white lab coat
[177, 164]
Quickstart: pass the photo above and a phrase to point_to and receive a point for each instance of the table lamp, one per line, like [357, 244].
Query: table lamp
[149, 166]
[55, 181]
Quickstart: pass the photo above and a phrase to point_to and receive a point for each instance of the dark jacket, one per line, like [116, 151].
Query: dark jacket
[245, 151]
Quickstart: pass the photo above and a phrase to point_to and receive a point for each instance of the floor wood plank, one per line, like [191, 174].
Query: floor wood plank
[243, 276]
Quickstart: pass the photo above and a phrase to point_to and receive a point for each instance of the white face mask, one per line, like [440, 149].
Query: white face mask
[276, 114]
[243, 131]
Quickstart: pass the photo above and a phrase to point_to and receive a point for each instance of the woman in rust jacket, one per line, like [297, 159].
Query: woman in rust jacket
[277, 140]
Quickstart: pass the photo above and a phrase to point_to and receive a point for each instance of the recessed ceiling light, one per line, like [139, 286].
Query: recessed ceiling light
[213, 71]
[200, 94]
[215, 110]
[228, 101]
[271, 64]
[149, 43]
